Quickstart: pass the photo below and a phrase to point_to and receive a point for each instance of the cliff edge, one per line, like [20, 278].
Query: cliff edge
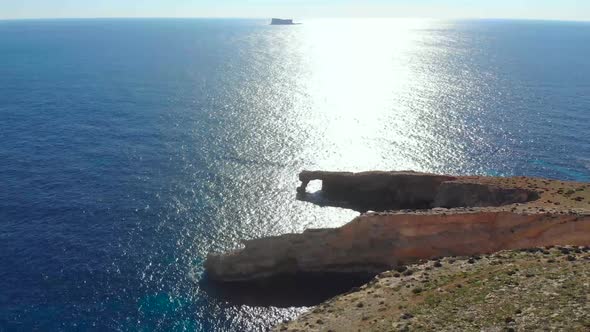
[416, 216]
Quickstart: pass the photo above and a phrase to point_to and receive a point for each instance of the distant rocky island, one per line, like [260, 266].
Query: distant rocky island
[409, 218]
[280, 21]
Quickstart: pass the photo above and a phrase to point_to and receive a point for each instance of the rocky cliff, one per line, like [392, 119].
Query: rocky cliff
[379, 191]
[449, 216]
[373, 243]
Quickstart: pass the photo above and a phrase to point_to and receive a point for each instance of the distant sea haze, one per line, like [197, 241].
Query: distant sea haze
[131, 148]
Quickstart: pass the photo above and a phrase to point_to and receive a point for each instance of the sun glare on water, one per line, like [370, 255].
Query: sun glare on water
[362, 81]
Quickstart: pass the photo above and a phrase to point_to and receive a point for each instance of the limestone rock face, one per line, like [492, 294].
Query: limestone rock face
[378, 191]
[486, 214]
[381, 191]
[374, 243]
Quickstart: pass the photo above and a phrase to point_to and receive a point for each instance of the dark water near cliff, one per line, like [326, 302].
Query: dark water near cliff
[131, 148]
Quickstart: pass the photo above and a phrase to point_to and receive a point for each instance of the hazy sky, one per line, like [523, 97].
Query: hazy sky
[540, 9]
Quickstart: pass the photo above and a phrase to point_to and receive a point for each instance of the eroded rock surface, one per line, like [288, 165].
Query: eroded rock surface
[374, 243]
[520, 213]
[381, 191]
[377, 191]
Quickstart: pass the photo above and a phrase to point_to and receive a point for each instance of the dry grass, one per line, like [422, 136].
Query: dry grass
[532, 290]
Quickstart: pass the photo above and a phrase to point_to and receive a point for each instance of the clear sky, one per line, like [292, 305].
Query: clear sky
[300, 9]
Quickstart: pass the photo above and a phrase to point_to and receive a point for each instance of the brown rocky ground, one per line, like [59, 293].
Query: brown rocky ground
[554, 195]
[526, 290]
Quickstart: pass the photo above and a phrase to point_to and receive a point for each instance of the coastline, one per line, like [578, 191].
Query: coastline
[409, 218]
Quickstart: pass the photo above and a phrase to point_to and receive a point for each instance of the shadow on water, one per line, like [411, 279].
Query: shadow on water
[302, 290]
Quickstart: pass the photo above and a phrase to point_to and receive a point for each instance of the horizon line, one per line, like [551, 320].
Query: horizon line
[303, 18]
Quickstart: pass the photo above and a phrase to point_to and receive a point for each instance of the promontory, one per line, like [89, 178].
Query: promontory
[430, 220]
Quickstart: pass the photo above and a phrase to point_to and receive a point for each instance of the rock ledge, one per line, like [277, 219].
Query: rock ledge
[447, 216]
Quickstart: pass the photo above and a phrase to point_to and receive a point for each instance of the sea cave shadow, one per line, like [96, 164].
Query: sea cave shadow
[301, 290]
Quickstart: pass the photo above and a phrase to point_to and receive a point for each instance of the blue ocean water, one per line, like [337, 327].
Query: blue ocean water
[131, 148]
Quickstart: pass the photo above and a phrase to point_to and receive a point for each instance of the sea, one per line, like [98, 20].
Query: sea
[131, 148]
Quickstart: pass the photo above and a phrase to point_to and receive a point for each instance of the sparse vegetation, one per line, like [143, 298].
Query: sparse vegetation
[533, 289]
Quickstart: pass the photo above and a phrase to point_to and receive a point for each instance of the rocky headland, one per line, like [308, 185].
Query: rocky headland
[407, 218]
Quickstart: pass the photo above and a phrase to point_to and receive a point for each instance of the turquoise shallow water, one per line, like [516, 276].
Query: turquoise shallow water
[131, 148]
